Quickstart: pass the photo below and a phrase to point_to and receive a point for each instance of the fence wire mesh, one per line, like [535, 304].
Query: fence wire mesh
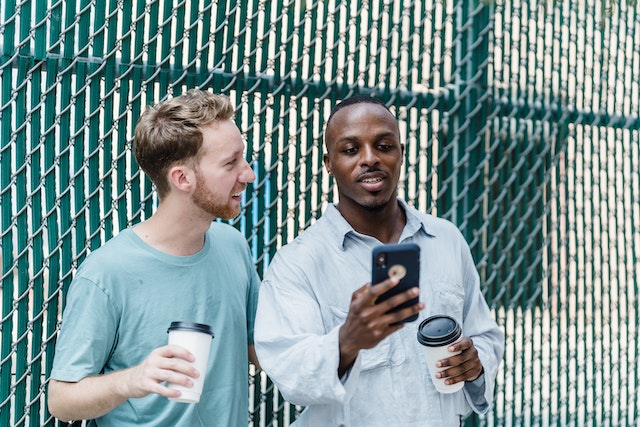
[520, 118]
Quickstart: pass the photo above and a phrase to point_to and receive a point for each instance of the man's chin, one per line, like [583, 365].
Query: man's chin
[376, 204]
[228, 215]
[374, 207]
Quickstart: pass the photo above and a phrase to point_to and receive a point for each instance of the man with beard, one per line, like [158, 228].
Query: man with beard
[112, 364]
[319, 333]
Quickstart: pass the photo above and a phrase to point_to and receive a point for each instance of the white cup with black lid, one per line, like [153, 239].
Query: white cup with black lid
[195, 337]
[436, 334]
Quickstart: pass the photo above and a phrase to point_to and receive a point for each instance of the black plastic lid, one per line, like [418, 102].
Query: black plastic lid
[436, 331]
[190, 326]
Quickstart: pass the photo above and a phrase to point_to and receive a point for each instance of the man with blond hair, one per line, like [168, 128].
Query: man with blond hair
[112, 363]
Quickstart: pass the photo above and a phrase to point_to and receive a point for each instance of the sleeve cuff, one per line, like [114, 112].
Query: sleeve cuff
[475, 394]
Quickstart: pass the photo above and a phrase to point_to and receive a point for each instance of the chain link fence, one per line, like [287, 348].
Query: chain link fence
[521, 122]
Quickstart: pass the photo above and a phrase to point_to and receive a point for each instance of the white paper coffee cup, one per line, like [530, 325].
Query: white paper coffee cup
[195, 337]
[436, 334]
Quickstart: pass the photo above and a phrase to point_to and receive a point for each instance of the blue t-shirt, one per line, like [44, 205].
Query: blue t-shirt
[123, 299]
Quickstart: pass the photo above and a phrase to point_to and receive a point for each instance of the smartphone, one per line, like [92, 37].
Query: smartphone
[403, 261]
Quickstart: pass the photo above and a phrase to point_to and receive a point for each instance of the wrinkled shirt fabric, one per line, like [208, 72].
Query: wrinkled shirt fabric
[123, 299]
[305, 297]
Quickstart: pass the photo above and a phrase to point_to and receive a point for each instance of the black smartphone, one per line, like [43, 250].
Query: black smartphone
[403, 261]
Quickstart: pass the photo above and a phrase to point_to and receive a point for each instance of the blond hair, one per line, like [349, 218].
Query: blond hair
[169, 132]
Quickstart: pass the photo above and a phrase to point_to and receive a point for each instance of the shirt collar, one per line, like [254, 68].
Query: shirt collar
[416, 223]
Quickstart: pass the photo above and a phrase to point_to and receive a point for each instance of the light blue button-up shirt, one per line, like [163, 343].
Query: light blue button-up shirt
[305, 297]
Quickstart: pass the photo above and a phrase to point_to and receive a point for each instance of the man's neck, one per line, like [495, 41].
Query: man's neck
[385, 224]
[173, 230]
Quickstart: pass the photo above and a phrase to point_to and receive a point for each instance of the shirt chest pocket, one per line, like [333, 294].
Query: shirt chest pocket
[445, 298]
[389, 352]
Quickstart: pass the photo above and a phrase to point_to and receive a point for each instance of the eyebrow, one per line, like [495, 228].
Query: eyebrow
[233, 155]
[354, 138]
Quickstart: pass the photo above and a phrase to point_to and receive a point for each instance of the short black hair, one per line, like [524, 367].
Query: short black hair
[358, 99]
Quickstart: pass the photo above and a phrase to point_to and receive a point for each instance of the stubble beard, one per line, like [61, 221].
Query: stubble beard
[374, 207]
[204, 199]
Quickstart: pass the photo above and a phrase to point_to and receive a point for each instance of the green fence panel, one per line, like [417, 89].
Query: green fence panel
[521, 122]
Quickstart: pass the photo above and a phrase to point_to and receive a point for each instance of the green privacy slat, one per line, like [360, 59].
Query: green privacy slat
[219, 43]
[53, 216]
[6, 193]
[357, 29]
[206, 19]
[251, 34]
[107, 124]
[79, 135]
[36, 283]
[279, 198]
[9, 24]
[22, 243]
[136, 105]
[316, 42]
[150, 96]
[242, 35]
[275, 40]
[150, 13]
[123, 196]
[177, 47]
[192, 51]
[227, 62]
[167, 27]
[264, 35]
[66, 145]
[287, 41]
[307, 211]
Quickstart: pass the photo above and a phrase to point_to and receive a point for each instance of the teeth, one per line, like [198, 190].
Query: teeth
[371, 180]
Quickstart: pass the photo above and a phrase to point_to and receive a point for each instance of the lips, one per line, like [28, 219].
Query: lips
[238, 195]
[372, 181]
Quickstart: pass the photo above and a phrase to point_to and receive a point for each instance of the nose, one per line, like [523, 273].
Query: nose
[369, 156]
[247, 174]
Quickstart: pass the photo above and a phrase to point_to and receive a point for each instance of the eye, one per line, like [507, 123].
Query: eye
[350, 150]
[385, 146]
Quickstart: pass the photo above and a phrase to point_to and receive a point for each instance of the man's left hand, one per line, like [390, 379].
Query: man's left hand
[465, 366]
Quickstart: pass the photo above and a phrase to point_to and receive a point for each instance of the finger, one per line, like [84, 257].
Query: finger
[165, 359]
[382, 287]
[168, 392]
[465, 343]
[150, 376]
[172, 350]
[400, 315]
[360, 291]
[164, 390]
[401, 298]
[464, 366]
[458, 374]
[174, 377]
[179, 366]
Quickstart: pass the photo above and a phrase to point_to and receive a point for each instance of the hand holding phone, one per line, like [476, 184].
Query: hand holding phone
[401, 260]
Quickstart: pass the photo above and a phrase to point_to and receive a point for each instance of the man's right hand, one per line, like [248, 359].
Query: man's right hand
[94, 396]
[164, 364]
[369, 323]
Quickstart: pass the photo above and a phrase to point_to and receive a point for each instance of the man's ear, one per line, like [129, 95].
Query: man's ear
[327, 163]
[182, 178]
